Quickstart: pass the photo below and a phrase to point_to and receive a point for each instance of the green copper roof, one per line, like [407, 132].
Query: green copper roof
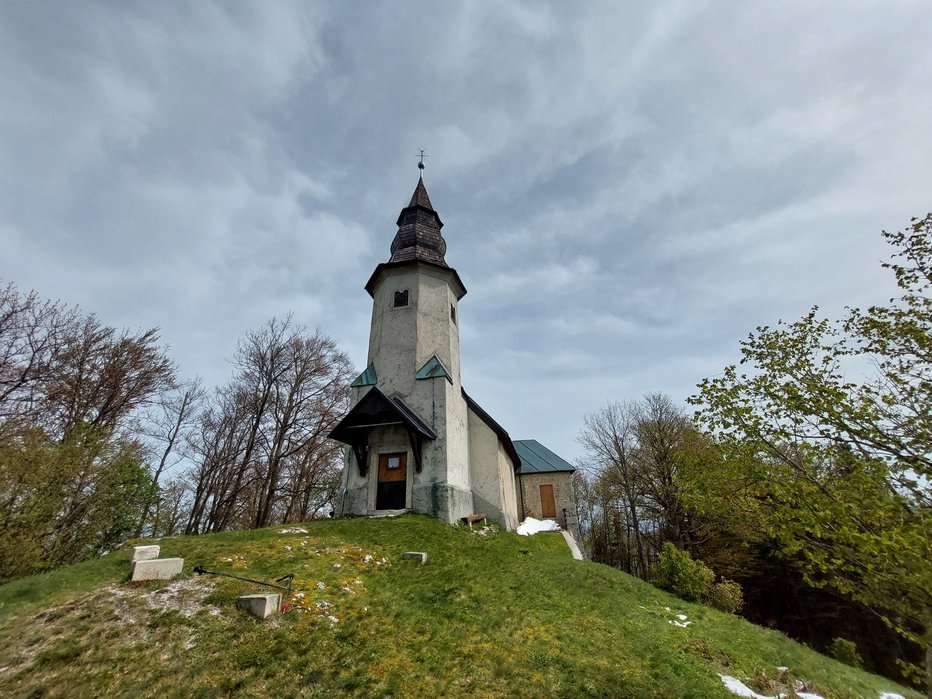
[366, 378]
[536, 458]
[432, 369]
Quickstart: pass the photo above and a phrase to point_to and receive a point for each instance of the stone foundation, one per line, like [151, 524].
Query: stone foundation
[445, 502]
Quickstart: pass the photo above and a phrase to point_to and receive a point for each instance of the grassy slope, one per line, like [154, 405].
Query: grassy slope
[502, 616]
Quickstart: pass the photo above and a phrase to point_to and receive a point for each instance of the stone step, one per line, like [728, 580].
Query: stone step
[261, 606]
[157, 569]
[145, 553]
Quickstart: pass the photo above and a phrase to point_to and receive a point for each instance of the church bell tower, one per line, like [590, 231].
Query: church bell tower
[407, 433]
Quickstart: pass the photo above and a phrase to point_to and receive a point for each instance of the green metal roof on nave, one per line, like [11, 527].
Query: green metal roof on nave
[536, 458]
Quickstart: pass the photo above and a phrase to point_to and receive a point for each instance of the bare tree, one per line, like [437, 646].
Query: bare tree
[635, 450]
[71, 470]
[263, 452]
[610, 439]
[662, 430]
[167, 427]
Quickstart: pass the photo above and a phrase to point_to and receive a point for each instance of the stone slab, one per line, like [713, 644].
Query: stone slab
[157, 569]
[145, 553]
[261, 606]
[415, 556]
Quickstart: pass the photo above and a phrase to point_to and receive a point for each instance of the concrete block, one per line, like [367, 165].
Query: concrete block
[145, 553]
[415, 556]
[261, 606]
[157, 569]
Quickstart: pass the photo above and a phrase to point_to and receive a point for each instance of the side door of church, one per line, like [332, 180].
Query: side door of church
[548, 508]
[393, 481]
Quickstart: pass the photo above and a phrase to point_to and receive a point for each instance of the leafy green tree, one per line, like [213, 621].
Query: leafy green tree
[64, 501]
[835, 468]
[677, 572]
[72, 475]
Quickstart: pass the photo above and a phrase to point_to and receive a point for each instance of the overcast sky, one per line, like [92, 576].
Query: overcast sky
[628, 188]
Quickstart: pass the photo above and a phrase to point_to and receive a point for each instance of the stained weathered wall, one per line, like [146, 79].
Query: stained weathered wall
[492, 474]
[401, 341]
[509, 485]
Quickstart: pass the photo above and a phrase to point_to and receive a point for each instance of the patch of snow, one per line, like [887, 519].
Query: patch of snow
[293, 530]
[681, 624]
[739, 688]
[891, 695]
[367, 558]
[681, 617]
[337, 566]
[532, 526]
[321, 586]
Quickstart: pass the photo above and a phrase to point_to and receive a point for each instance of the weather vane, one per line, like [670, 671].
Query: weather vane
[420, 162]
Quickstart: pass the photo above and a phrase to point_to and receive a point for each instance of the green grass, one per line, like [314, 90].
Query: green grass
[500, 616]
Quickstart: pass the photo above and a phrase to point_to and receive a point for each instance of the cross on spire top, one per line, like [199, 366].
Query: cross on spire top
[420, 157]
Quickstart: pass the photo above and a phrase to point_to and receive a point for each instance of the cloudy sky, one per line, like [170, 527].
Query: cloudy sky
[628, 188]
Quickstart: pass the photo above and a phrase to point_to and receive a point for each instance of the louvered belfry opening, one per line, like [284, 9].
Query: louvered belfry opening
[418, 236]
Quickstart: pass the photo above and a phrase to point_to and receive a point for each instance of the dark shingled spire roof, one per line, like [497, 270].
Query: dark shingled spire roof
[418, 236]
[420, 198]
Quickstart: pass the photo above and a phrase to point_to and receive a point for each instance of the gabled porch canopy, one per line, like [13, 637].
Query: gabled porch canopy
[375, 410]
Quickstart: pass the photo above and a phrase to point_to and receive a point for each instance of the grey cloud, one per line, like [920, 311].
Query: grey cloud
[628, 189]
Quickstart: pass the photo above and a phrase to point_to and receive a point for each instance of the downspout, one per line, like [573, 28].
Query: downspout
[521, 490]
[349, 465]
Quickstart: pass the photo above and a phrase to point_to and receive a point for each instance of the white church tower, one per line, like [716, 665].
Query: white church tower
[408, 431]
[416, 441]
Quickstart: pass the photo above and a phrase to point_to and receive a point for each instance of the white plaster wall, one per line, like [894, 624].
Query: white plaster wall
[507, 482]
[483, 465]
[393, 333]
[492, 474]
[401, 341]
[457, 431]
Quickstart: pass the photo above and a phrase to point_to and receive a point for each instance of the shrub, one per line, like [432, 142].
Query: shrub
[678, 573]
[846, 651]
[726, 595]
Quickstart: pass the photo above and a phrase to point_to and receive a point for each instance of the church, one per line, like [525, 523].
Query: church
[415, 440]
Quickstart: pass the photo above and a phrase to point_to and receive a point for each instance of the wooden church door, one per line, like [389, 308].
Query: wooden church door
[393, 481]
[548, 508]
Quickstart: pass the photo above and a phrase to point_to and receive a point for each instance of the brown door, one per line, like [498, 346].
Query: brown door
[393, 481]
[548, 507]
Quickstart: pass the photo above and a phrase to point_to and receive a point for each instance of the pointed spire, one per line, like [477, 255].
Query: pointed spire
[418, 236]
[420, 198]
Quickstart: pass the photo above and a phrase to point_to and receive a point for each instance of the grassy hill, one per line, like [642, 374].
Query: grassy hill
[488, 616]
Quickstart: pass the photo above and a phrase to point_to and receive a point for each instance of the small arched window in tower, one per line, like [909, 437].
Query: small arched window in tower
[401, 298]
[453, 313]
